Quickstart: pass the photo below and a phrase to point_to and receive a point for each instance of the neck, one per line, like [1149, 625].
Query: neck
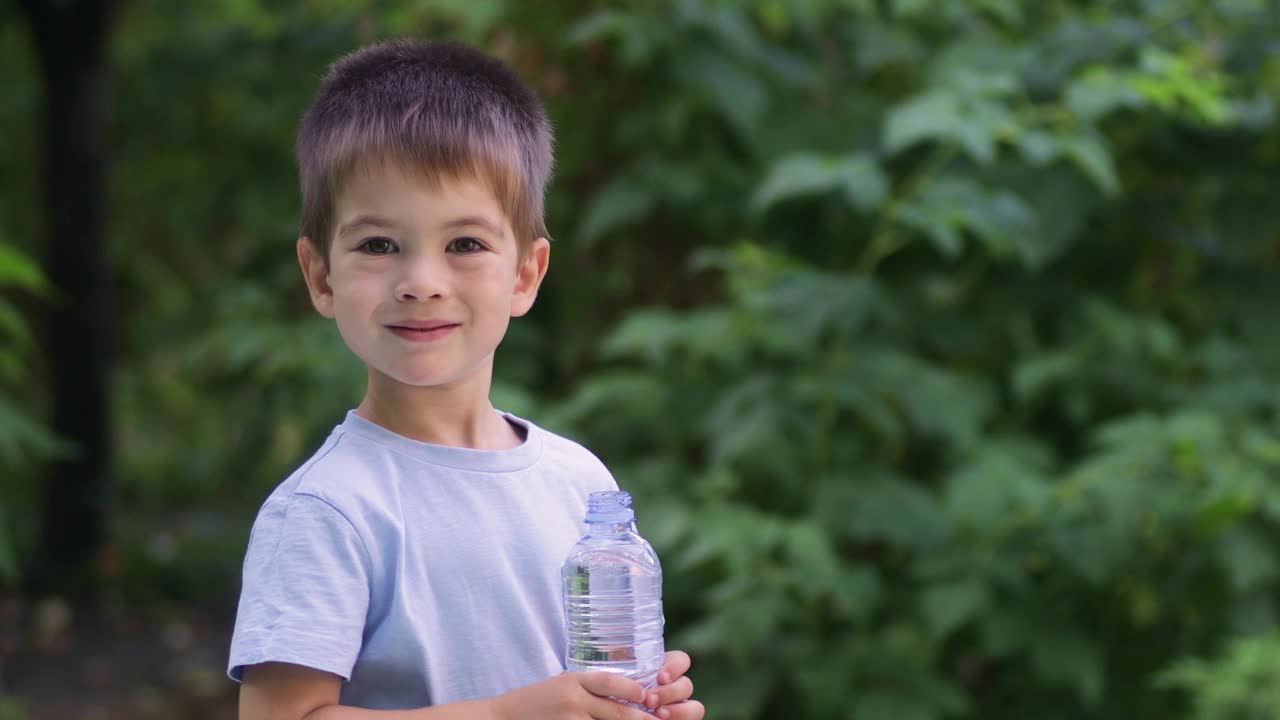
[607, 529]
[458, 415]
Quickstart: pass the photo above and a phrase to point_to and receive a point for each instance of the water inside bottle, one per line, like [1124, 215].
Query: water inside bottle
[613, 595]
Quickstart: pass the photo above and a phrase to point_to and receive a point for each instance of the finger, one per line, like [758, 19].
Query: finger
[674, 664]
[607, 685]
[606, 709]
[681, 689]
[688, 710]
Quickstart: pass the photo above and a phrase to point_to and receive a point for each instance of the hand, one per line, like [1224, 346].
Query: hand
[574, 696]
[670, 701]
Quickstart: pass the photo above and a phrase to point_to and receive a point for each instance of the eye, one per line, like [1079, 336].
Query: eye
[465, 245]
[377, 246]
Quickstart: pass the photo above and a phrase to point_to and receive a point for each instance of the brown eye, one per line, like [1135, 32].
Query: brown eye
[465, 245]
[378, 246]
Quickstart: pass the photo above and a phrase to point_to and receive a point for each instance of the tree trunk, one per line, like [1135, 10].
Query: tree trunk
[71, 38]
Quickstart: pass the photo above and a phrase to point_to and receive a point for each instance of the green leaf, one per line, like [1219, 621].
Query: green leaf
[876, 411]
[812, 303]
[860, 592]
[13, 327]
[911, 8]
[858, 175]
[959, 76]
[745, 421]
[1002, 220]
[932, 115]
[1040, 373]
[1008, 11]
[8, 556]
[648, 332]
[595, 399]
[791, 69]
[1070, 658]
[891, 510]
[595, 26]
[888, 705]
[639, 37]
[1099, 91]
[1038, 147]
[1181, 82]
[1006, 223]
[993, 490]
[1249, 560]
[513, 399]
[17, 270]
[621, 202]
[947, 606]
[937, 402]
[1240, 683]
[731, 28]
[941, 211]
[24, 440]
[879, 44]
[811, 559]
[736, 92]
[474, 16]
[11, 367]
[1088, 151]
[973, 123]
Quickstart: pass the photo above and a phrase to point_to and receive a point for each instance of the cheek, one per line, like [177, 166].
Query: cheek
[354, 306]
[360, 292]
[485, 286]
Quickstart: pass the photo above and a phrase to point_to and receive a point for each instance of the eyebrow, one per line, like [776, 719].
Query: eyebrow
[474, 220]
[381, 222]
[365, 220]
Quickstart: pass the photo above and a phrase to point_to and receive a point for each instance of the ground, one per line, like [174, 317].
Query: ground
[124, 661]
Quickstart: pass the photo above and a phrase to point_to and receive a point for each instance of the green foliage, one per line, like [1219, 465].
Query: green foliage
[23, 439]
[983, 422]
[1238, 686]
[936, 339]
[11, 709]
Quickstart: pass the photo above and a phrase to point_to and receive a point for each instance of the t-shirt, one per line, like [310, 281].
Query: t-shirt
[422, 574]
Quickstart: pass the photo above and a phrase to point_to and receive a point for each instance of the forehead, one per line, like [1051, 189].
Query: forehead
[415, 195]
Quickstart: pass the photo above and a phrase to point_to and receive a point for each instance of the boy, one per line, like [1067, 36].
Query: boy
[410, 568]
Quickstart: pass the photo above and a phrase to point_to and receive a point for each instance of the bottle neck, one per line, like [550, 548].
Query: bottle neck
[606, 529]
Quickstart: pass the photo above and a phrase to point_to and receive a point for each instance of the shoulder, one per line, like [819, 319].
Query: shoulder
[569, 458]
[346, 474]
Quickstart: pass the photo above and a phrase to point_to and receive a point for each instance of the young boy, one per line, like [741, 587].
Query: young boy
[410, 568]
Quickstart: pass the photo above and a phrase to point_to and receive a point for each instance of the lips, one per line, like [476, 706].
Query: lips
[421, 324]
[422, 330]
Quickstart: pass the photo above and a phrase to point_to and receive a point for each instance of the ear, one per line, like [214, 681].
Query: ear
[316, 272]
[529, 274]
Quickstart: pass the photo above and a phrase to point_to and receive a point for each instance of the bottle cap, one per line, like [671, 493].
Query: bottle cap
[612, 506]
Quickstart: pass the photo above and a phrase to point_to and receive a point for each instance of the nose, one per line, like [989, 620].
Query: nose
[421, 278]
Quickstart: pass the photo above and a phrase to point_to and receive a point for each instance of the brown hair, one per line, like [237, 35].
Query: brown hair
[441, 109]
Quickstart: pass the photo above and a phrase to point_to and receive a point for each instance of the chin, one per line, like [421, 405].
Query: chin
[421, 379]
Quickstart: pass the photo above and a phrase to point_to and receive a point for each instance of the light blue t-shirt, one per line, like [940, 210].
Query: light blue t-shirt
[421, 574]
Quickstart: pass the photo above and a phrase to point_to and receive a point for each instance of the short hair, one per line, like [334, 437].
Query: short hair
[441, 109]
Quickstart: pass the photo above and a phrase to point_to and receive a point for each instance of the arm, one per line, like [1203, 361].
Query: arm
[281, 691]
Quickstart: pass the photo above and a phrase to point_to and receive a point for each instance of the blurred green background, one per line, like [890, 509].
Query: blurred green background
[939, 341]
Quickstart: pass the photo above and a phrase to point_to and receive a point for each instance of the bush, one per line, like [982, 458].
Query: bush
[935, 338]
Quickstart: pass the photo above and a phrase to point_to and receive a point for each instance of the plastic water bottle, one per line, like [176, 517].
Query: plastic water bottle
[613, 595]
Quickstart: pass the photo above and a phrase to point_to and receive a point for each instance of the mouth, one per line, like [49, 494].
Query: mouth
[422, 331]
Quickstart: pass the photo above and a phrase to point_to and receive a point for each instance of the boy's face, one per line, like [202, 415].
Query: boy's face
[422, 280]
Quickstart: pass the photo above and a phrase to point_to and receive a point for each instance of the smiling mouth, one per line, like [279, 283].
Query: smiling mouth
[422, 334]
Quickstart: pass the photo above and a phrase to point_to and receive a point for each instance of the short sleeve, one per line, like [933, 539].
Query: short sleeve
[305, 592]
